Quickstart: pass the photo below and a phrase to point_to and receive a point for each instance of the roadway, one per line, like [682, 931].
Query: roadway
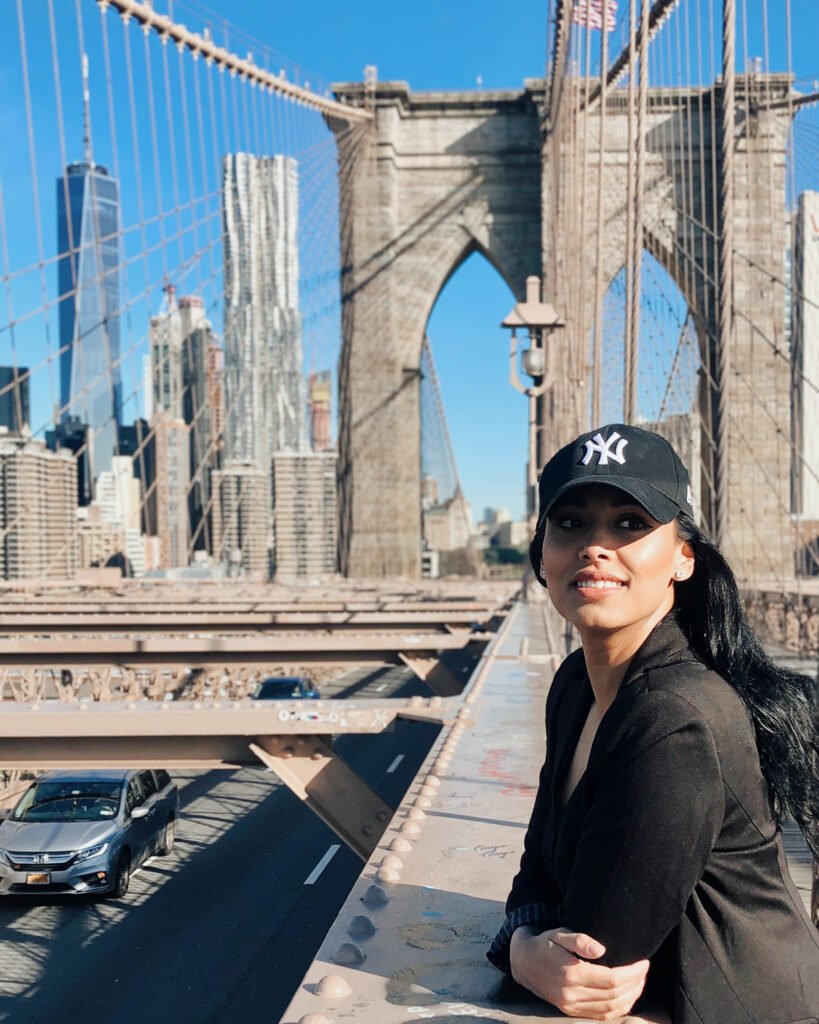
[224, 929]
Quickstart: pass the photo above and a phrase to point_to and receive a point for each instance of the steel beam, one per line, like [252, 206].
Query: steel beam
[234, 650]
[53, 734]
[193, 621]
[324, 781]
[138, 604]
[441, 676]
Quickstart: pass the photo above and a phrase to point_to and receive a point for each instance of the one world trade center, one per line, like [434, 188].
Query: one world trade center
[88, 229]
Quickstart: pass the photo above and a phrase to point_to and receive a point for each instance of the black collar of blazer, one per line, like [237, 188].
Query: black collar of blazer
[666, 644]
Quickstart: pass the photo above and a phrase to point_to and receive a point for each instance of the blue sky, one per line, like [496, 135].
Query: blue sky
[454, 45]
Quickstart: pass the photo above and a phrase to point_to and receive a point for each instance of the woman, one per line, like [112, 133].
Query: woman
[653, 866]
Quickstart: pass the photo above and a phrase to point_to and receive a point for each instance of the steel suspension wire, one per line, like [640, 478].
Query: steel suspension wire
[599, 288]
[439, 466]
[726, 267]
[660, 11]
[225, 60]
[632, 344]
[631, 231]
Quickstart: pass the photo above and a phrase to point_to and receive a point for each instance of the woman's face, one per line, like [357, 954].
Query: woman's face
[607, 562]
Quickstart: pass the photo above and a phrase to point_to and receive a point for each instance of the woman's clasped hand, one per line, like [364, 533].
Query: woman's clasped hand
[557, 966]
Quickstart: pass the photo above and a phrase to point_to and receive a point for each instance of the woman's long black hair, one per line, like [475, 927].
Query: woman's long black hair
[782, 705]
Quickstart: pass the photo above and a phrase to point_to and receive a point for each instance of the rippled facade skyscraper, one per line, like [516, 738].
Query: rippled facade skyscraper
[265, 389]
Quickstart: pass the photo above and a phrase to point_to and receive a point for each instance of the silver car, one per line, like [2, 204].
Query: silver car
[85, 832]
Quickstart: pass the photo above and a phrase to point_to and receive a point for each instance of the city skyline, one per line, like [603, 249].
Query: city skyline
[153, 240]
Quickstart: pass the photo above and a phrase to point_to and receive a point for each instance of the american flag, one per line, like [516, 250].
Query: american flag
[589, 13]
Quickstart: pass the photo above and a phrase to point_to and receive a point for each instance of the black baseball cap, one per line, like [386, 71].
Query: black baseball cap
[637, 461]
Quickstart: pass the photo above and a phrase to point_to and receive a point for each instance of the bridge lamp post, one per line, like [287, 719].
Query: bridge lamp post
[539, 320]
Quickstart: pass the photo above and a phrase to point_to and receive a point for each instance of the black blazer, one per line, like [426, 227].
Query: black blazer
[666, 848]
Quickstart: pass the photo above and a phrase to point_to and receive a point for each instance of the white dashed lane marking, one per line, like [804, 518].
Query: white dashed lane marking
[313, 877]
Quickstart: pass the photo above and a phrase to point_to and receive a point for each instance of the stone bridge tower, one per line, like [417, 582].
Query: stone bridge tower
[437, 176]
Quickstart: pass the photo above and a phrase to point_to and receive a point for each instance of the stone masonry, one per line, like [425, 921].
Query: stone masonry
[437, 176]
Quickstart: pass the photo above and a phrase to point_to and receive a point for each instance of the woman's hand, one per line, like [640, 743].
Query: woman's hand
[548, 964]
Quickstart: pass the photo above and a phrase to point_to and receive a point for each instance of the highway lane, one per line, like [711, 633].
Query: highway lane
[224, 929]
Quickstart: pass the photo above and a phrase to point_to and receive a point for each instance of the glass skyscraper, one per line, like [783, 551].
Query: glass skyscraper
[88, 225]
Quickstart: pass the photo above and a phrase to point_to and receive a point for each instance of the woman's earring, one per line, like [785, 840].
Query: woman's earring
[679, 574]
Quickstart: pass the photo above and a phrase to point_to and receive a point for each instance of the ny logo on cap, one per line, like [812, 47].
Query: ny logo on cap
[605, 449]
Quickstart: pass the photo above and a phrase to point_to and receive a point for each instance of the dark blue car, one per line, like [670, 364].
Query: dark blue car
[286, 688]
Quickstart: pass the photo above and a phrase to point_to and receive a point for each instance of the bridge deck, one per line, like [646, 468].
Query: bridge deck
[409, 941]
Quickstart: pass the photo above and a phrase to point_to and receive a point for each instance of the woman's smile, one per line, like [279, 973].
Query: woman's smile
[597, 591]
[595, 586]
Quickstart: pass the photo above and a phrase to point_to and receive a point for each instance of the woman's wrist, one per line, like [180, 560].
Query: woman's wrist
[519, 948]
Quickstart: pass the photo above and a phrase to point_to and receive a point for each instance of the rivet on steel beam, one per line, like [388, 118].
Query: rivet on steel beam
[400, 845]
[423, 802]
[287, 752]
[332, 986]
[436, 702]
[313, 1018]
[432, 780]
[416, 702]
[388, 874]
[350, 954]
[382, 816]
[361, 926]
[375, 896]
[410, 828]
[415, 814]
[426, 791]
[317, 754]
[391, 861]
[367, 830]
